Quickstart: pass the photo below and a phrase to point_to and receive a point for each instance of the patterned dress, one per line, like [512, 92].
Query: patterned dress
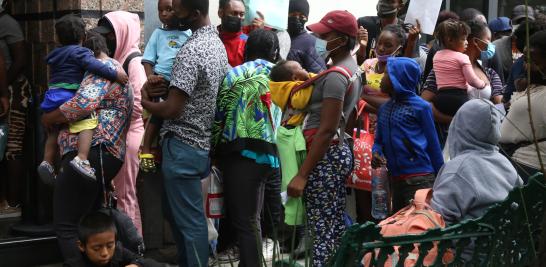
[113, 105]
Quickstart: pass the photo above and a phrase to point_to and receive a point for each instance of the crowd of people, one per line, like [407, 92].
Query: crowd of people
[448, 111]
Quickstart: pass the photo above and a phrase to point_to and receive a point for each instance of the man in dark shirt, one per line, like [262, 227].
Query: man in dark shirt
[302, 49]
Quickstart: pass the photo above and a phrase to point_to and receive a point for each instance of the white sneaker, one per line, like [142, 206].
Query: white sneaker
[10, 212]
[270, 249]
[83, 167]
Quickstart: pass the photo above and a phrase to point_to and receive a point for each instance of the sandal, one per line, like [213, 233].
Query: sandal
[147, 162]
[83, 167]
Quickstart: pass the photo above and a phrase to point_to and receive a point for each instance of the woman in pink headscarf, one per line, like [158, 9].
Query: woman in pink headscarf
[122, 32]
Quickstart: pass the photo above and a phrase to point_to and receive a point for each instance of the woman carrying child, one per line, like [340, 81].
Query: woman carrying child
[321, 178]
[74, 196]
[479, 40]
[455, 75]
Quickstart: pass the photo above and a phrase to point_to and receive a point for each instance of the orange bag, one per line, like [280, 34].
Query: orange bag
[361, 178]
[416, 218]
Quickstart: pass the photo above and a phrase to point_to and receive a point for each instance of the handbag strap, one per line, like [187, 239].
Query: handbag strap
[361, 115]
[422, 198]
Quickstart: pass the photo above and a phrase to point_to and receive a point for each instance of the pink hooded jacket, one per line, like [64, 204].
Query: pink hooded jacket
[127, 29]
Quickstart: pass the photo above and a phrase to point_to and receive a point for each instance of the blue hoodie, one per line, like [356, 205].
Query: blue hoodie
[405, 133]
[70, 62]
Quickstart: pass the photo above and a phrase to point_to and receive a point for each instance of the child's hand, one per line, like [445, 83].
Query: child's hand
[378, 161]
[132, 265]
[155, 79]
[122, 77]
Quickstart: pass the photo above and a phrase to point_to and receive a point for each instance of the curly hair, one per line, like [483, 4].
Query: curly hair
[96, 43]
[398, 31]
[70, 30]
[262, 44]
[451, 30]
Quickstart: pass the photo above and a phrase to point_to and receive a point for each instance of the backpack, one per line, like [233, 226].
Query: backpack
[418, 217]
[128, 61]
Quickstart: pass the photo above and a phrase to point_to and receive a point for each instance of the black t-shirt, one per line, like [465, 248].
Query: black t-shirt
[373, 25]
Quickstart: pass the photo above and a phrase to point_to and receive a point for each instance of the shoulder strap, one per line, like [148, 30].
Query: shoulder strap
[128, 61]
[422, 197]
[343, 70]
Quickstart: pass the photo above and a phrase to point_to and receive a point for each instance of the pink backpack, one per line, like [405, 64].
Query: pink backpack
[416, 218]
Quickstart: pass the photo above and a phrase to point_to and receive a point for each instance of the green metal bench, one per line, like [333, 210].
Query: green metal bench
[506, 235]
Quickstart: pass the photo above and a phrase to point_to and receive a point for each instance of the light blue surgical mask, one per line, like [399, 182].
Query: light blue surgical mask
[489, 52]
[321, 48]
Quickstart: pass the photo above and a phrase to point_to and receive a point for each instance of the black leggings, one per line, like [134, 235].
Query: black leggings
[76, 196]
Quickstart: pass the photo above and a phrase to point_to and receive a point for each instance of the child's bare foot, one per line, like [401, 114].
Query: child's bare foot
[83, 167]
[47, 173]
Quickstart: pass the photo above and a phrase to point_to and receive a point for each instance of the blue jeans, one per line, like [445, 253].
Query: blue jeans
[183, 168]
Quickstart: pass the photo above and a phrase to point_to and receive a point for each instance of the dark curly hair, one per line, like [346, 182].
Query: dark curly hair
[262, 44]
[451, 30]
[70, 30]
[96, 43]
[223, 3]
[398, 31]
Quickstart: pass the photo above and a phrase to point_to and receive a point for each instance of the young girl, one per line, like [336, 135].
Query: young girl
[453, 69]
[158, 61]
[68, 65]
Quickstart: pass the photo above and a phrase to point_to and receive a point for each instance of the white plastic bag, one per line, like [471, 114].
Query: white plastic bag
[215, 196]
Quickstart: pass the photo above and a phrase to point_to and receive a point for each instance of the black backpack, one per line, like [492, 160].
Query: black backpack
[128, 60]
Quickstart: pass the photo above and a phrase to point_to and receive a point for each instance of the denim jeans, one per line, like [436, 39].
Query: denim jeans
[183, 168]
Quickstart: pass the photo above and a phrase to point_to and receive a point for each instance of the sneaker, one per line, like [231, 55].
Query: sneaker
[230, 255]
[46, 173]
[10, 212]
[83, 167]
[270, 249]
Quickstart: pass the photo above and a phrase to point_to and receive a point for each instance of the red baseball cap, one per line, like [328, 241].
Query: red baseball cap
[337, 20]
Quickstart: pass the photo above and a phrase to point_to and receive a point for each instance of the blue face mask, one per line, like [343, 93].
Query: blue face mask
[321, 48]
[489, 52]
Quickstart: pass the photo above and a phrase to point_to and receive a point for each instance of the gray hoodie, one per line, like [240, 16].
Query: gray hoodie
[477, 175]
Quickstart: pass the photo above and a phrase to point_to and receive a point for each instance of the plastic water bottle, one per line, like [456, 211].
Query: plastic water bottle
[380, 193]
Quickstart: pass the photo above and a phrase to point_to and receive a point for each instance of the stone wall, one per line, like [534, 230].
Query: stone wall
[37, 18]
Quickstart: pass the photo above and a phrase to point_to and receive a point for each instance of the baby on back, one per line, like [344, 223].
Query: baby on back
[290, 91]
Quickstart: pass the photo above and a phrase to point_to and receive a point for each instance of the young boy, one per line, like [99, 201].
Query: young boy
[158, 61]
[405, 138]
[68, 65]
[97, 242]
[285, 76]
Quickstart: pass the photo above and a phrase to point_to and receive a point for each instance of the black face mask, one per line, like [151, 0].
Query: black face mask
[295, 25]
[111, 44]
[231, 24]
[184, 24]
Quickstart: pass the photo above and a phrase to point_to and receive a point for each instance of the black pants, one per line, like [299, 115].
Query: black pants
[244, 184]
[449, 101]
[403, 191]
[272, 205]
[76, 196]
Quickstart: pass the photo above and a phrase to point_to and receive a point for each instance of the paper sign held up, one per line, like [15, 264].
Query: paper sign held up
[426, 11]
[275, 12]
